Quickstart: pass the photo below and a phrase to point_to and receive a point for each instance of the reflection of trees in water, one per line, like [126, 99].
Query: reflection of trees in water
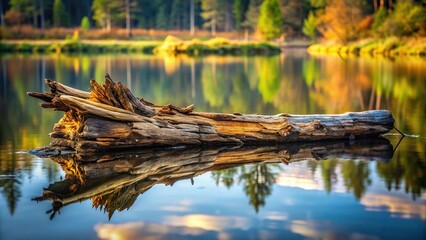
[298, 84]
[22, 120]
[10, 184]
[11, 178]
[115, 182]
[257, 181]
[268, 70]
[227, 177]
[11, 189]
[328, 173]
[240, 84]
[403, 170]
[216, 87]
[356, 176]
[408, 170]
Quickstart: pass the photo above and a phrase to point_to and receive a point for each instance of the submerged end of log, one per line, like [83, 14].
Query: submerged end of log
[110, 117]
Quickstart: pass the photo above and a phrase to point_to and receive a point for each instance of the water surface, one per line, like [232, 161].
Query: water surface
[336, 197]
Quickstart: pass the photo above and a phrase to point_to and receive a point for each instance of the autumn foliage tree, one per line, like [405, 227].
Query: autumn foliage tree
[13, 17]
[340, 20]
[405, 19]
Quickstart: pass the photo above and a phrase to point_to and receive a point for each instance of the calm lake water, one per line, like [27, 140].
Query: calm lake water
[342, 190]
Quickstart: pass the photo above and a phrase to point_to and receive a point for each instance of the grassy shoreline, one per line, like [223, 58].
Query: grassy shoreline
[389, 47]
[79, 46]
[171, 45]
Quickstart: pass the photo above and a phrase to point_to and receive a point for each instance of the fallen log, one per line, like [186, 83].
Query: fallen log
[110, 117]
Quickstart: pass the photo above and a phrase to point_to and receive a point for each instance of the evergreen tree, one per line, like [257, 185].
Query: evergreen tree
[240, 9]
[226, 17]
[270, 19]
[101, 13]
[252, 14]
[85, 24]
[162, 20]
[148, 11]
[60, 16]
[1, 13]
[210, 14]
[179, 16]
[108, 12]
[310, 26]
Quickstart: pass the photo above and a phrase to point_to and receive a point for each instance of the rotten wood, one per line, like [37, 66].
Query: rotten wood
[110, 117]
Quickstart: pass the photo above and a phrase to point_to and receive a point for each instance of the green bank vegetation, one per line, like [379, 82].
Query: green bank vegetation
[391, 46]
[171, 45]
[174, 45]
[70, 46]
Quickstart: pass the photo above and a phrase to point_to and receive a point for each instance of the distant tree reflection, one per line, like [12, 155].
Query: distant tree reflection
[406, 170]
[257, 181]
[227, 177]
[11, 190]
[328, 173]
[356, 176]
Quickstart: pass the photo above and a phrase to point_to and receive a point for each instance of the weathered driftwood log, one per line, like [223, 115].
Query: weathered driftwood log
[111, 117]
[114, 180]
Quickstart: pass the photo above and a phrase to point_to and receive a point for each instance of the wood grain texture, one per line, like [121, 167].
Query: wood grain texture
[110, 117]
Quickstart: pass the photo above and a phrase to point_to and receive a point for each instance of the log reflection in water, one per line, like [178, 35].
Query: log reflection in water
[114, 180]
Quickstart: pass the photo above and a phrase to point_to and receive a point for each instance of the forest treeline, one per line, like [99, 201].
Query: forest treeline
[339, 20]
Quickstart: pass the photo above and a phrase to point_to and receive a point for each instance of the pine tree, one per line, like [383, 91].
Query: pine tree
[240, 8]
[162, 18]
[210, 14]
[310, 26]
[252, 14]
[226, 16]
[101, 13]
[179, 16]
[85, 24]
[270, 19]
[108, 12]
[60, 16]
